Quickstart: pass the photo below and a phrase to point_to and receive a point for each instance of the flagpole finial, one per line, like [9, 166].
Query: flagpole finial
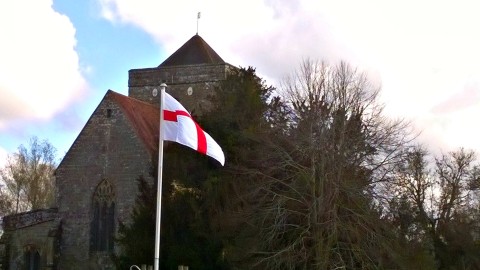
[163, 86]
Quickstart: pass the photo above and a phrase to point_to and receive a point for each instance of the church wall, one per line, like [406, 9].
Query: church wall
[37, 238]
[107, 148]
[200, 78]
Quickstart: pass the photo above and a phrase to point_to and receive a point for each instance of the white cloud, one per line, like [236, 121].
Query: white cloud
[268, 36]
[39, 68]
[424, 52]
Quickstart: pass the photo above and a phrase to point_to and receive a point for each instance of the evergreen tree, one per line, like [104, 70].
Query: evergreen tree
[197, 192]
[242, 116]
[137, 237]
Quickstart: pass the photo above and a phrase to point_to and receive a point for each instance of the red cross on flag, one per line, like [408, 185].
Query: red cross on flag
[179, 126]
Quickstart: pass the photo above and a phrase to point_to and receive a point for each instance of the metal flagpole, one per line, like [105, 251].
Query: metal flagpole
[159, 182]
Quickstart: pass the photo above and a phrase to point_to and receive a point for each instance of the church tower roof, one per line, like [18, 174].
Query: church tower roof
[195, 51]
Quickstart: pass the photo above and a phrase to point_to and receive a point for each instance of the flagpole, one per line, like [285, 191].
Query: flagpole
[159, 182]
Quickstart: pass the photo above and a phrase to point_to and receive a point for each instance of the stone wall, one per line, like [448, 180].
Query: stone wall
[190, 84]
[37, 231]
[107, 148]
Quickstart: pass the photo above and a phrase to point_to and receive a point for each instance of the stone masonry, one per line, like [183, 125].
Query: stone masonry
[37, 230]
[200, 79]
[107, 148]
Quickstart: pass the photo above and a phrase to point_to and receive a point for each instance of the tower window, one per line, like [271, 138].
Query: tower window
[109, 113]
[102, 226]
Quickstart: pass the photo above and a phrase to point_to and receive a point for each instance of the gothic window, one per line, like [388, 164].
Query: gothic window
[32, 258]
[102, 226]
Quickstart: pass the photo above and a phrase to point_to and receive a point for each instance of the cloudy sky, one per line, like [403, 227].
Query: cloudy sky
[58, 58]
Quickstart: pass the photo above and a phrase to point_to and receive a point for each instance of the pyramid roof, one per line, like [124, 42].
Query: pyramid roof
[194, 52]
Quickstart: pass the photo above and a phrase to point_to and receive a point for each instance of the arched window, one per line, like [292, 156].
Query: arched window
[32, 258]
[102, 227]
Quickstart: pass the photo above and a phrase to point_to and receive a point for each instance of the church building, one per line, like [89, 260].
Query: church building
[96, 183]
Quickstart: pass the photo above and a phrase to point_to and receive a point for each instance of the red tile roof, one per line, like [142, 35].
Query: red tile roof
[144, 118]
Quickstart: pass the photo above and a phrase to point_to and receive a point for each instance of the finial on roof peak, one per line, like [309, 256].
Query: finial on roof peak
[198, 18]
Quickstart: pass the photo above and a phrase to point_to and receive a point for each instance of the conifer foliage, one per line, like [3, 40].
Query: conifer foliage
[137, 238]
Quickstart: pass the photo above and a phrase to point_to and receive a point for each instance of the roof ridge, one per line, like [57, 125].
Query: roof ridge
[112, 92]
[205, 47]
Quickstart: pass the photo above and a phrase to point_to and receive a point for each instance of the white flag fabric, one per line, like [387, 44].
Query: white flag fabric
[179, 126]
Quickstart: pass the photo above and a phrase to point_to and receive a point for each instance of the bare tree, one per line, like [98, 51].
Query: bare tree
[28, 180]
[314, 197]
[439, 195]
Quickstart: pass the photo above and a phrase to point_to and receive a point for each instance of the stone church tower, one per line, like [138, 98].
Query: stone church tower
[96, 181]
[190, 73]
